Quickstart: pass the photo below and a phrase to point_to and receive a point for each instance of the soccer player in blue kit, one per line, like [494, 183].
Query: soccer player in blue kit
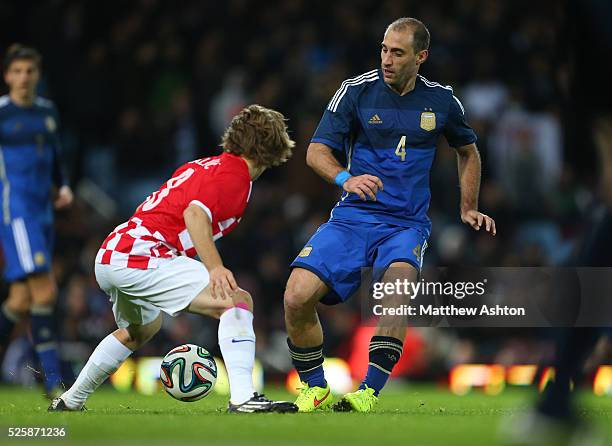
[29, 168]
[388, 122]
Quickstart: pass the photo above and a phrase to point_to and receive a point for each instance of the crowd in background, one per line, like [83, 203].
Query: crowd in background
[143, 86]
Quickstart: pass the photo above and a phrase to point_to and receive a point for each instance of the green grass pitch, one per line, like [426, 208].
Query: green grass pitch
[415, 415]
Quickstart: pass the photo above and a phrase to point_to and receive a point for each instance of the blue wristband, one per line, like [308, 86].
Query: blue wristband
[341, 178]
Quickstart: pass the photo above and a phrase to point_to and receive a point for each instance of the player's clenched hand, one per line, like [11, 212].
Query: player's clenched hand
[476, 219]
[364, 186]
[222, 283]
[64, 197]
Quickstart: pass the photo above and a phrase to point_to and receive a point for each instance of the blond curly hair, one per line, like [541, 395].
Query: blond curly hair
[259, 134]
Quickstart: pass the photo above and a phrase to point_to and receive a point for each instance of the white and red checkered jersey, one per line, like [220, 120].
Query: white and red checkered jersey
[220, 185]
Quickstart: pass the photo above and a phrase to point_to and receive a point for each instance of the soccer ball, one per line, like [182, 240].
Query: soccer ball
[188, 372]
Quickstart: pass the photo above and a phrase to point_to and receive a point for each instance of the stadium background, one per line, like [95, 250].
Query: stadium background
[143, 86]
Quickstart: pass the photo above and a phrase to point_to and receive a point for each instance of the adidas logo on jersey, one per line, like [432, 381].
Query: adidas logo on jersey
[375, 120]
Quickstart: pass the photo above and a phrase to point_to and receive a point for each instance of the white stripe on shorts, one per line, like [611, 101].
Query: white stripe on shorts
[23, 245]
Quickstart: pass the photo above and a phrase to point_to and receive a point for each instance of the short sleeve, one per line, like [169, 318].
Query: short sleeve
[337, 121]
[457, 131]
[202, 206]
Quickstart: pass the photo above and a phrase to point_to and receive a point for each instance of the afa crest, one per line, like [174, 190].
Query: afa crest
[39, 259]
[50, 124]
[417, 252]
[428, 121]
[305, 252]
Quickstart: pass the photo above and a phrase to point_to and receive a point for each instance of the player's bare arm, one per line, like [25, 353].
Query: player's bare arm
[468, 165]
[320, 158]
[222, 282]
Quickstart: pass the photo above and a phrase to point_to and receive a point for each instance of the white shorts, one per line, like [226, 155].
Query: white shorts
[138, 295]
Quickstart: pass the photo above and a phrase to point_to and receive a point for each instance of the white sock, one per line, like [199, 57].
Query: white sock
[237, 342]
[103, 362]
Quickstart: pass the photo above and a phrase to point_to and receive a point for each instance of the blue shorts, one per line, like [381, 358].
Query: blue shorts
[339, 249]
[27, 245]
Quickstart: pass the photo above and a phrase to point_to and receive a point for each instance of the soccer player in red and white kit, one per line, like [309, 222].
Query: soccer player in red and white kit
[146, 267]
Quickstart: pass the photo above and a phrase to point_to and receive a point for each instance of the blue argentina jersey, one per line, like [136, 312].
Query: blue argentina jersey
[28, 159]
[393, 137]
[28, 167]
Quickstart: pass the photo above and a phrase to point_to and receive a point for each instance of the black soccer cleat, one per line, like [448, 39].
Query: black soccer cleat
[58, 405]
[259, 404]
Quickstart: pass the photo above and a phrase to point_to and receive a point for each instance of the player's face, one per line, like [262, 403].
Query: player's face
[399, 63]
[22, 76]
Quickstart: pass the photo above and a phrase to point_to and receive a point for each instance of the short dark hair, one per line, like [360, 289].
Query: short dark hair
[18, 51]
[420, 33]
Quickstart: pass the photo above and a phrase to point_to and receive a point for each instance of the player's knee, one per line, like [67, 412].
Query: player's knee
[18, 302]
[304, 290]
[295, 297]
[43, 290]
[243, 298]
[14, 312]
[44, 300]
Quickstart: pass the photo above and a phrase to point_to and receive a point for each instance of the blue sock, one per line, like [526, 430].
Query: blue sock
[308, 361]
[45, 344]
[8, 319]
[385, 351]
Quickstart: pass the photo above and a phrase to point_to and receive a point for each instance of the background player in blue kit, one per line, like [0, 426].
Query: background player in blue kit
[388, 122]
[29, 171]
